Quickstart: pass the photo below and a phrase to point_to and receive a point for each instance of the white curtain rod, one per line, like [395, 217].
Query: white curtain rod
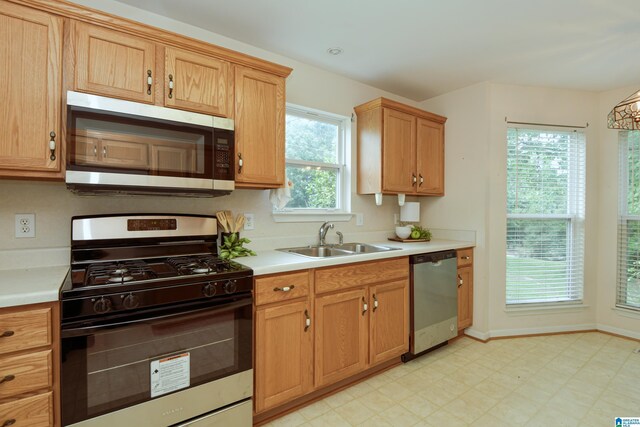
[547, 124]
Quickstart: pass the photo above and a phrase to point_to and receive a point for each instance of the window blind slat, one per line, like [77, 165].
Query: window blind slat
[545, 215]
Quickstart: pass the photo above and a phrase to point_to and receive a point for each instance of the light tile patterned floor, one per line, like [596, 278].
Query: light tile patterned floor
[584, 379]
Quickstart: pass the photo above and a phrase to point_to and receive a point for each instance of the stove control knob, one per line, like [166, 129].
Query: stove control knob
[209, 290]
[131, 301]
[230, 287]
[102, 305]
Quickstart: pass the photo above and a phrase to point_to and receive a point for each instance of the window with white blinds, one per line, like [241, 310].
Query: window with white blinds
[545, 215]
[628, 288]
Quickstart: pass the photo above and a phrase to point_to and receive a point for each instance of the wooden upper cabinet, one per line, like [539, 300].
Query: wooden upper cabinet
[430, 158]
[114, 64]
[389, 320]
[398, 151]
[259, 128]
[31, 60]
[197, 82]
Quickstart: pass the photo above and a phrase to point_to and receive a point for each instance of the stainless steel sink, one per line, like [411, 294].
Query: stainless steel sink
[345, 249]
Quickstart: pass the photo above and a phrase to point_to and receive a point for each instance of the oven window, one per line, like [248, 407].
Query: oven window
[110, 368]
[110, 142]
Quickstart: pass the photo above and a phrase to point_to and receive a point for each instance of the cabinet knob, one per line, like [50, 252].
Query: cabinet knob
[149, 82]
[240, 162]
[460, 281]
[307, 320]
[7, 378]
[365, 307]
[52, 146]
[414, 179]
[375, 303]
[7, 334]
[466, 257]
[421, 180]
[284, 288]
[170, 86]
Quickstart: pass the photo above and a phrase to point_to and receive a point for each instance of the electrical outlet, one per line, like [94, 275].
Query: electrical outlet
[359, 219]
[248, 221]
[25, 225]
[396, 219]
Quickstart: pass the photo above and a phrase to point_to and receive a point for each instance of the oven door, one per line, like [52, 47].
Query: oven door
[157, 361]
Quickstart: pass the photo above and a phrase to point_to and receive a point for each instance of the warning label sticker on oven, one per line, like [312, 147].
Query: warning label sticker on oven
[170, 374]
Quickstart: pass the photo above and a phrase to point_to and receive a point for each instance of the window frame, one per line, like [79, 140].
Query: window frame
[575, 217]
[342, 212]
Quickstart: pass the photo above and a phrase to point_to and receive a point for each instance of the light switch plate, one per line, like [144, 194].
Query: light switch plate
[359, 219]
[248, 221]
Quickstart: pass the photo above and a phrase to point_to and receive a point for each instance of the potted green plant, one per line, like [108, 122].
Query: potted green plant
[232, 246]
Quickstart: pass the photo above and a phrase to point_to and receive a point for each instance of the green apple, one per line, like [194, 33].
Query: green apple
[415, 234]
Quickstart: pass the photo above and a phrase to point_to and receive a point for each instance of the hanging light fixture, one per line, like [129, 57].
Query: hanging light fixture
[626, 115]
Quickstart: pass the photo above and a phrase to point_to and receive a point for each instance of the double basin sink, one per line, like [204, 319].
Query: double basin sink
[345, 249]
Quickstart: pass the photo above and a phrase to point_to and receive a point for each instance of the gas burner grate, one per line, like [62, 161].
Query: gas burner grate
[118, 273]
[201, 264]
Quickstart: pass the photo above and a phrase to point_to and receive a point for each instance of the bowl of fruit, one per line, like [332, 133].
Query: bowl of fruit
[420, 233]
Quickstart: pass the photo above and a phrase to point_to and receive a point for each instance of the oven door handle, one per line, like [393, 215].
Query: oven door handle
[88, 330]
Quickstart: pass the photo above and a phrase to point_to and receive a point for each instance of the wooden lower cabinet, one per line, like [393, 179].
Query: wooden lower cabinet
[315, 328]
[341, 335]
[284, 353]
[465, 288]
[389, 332]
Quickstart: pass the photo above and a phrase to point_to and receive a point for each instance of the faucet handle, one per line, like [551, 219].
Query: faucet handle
[341, 241]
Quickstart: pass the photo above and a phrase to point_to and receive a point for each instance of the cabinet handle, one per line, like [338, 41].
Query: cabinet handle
[95, 151]
[421, 179]
[52, 146]
[365, 307]
[9, 422]
[284, 288]
[375, 303]
[466, 257]
[460, 281]
[7, 378]
[149, 82]
[414, 179]
[104, 151]
[240, 162]
[6, 334]
[170, 85]
[307, 321]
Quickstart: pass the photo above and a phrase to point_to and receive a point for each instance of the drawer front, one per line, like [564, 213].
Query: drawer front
[465, 257]
[352, 275]
[34, 411]
[281, 288]
[24, 373]
[25, 329]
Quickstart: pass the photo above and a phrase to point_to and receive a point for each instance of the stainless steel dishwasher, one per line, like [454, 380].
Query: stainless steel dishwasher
[434, 301]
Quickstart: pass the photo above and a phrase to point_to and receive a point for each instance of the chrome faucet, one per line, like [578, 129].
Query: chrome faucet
[322, 233]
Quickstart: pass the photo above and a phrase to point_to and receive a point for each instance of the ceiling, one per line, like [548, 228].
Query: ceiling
[419, 49]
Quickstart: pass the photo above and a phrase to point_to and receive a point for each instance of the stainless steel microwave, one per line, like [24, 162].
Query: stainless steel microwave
[125, 147]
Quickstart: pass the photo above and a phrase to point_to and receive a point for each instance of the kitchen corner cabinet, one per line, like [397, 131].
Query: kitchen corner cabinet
[400, 149]
[28, 355]
[259, 128]
[465, 288]
[283, 338]
[31, 82]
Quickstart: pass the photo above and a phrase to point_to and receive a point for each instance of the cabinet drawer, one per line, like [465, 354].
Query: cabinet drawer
[25, 329]
[465, 257]
[348, 276]
[281, 288]
[34, 411]
[24, 373]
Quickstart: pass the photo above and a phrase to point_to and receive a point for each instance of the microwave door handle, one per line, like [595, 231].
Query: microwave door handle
[89, 330]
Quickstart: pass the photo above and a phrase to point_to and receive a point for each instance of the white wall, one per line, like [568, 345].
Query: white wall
[307, 86]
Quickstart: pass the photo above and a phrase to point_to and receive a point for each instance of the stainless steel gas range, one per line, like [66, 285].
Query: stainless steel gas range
[156, 329]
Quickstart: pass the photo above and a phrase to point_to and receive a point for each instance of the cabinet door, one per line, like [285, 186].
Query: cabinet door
[30, 59]
[398, 152]
[430, 158]
[284, 352]
[389, 320]
[199, 83]
[341, 336]
[465, 297]
[259, 128]
[114, 64]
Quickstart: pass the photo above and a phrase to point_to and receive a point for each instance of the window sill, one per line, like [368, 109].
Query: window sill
[311, 216]
[627, 312]
[534, 309]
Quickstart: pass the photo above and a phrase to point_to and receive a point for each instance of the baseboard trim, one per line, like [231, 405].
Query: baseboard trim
[551, 330]
[622, 333]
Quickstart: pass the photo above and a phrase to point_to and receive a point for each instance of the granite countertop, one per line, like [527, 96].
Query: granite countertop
[272, 261]
[31, 285]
